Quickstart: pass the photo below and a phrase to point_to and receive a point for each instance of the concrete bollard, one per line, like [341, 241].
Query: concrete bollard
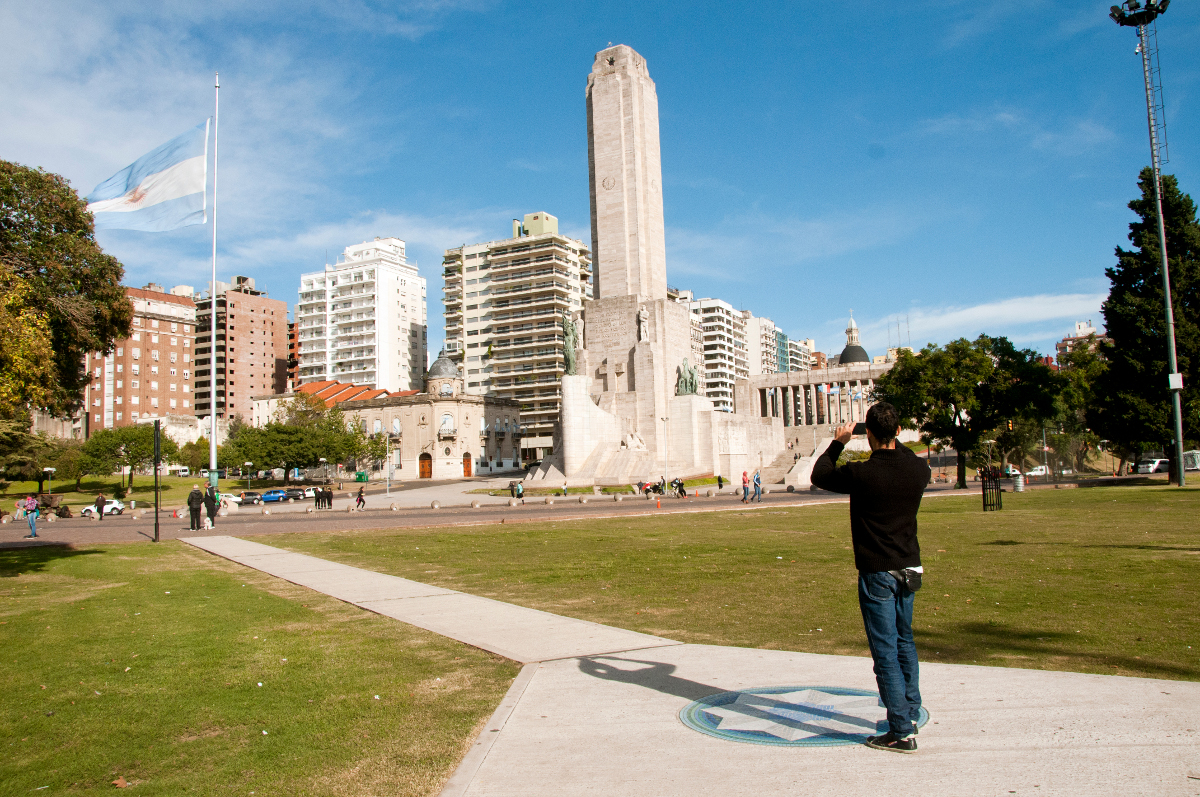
[220, 513]
[618, 497]
[308, 510]
[513, 502]
[266, 511]
[710, 493]
[549, 499]
[435, 505]
[5, 518]
[766, 491]
[350, 508]
[475, 504]
[50, 518]
[394, 507]
[583, 499]
[791, 488]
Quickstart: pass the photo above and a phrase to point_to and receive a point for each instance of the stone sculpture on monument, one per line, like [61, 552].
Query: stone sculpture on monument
[623, 383]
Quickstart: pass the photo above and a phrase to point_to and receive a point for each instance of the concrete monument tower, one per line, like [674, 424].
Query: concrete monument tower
[625, 173]
[629, 408]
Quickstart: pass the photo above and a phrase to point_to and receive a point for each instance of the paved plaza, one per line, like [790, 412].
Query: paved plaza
[602, 710]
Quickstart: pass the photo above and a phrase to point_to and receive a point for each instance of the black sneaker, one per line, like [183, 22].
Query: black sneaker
[890, 741]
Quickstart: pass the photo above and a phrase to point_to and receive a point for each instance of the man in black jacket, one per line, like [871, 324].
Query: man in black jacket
[885, 494]
[195, 502]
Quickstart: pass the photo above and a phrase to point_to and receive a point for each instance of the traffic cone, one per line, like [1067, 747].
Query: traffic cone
[658, 504]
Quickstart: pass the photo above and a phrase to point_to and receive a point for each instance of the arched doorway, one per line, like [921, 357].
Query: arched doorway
[466, 465]
[426, 467]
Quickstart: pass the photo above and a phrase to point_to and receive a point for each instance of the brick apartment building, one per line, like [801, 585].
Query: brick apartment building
[150, 374]
[251, 349]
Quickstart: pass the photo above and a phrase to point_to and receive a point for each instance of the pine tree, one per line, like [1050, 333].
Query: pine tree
[1133, 405]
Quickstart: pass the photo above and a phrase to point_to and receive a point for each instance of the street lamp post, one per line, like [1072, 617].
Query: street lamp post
[666, 451]
[50, 478]
[248, 466]
[1132, 14]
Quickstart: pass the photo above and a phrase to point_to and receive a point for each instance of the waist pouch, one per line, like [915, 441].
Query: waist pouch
[908, 577]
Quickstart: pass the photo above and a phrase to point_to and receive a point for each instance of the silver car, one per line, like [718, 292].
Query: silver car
[111, 507]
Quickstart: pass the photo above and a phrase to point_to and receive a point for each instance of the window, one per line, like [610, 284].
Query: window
[154, 323]
[137, 322]
[153, 385]
[174, 327]
[153, 401]
[120, 368]
[186, 357]
[172, 403]
[136, 370]
[172, 372]
[97, 372]
[134, 400]
[174, 356]
[137, 355]
[171, 387]
[154, 338]
[134, 384]
[186, 374]
[186, 389]
[137, 336]
[118, 416]
[174, 341]
[154, 369]
[154, 354]
[119, 400]
[378, 426]
[119, 383]
[133, 415]
[185, 404]
[395, 426]
[120, 351]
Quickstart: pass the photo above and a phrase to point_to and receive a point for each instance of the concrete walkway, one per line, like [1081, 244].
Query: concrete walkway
[596, 710]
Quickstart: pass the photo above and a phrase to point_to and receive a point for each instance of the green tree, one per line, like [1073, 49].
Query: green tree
[959, 394]
[66, 457]
[69, 291]
[194, 456]
[102, 452]
[1132, 407]
[1080, 369]
[137, 447]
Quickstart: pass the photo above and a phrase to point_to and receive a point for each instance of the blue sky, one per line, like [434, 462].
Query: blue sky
[962, 167]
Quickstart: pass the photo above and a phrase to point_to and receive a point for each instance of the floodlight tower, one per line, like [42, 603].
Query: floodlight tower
[1132, 14]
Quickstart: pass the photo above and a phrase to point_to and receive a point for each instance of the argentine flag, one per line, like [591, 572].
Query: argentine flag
[162, 190]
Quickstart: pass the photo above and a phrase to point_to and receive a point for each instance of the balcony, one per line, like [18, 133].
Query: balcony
[447, 434]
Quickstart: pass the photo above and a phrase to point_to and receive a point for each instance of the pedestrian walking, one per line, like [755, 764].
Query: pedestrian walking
[745, 488]
[521, 492]
[757, 487]
[885, 495]
[512, 489]
[360, 502]
[210, 506]
[31, 514]
[100, 504]
[564, 489]
[195, 502]
[720, 483]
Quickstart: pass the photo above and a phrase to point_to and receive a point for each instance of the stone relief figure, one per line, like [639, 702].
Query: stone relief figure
[689, 380]
[579, 317]
[570, 343]
[643, 324]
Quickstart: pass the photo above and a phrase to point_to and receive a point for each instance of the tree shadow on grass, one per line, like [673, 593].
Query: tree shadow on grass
[34, 558]
[976, 641]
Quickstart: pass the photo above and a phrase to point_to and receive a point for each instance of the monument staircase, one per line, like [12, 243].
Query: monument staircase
[779, 467]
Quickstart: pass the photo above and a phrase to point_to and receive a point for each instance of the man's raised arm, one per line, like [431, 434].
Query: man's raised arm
[826, 474]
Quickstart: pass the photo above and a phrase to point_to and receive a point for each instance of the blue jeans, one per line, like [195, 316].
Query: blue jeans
[758, 493]
[32, 516]
[887, 608]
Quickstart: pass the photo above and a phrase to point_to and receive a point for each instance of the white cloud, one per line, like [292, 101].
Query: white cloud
[1026, 320]
[753, 245]
[1061, 137]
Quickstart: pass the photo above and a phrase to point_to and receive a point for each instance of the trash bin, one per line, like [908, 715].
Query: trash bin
[360, 476]
[1019, 483]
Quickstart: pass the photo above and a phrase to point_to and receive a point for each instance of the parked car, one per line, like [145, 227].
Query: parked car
[1153, 466]
[294, 494]
[1011, 470]
[271, 496]
[249, 497]
[1040, 470]
[230, 497]
[310, 492]
[111, 507]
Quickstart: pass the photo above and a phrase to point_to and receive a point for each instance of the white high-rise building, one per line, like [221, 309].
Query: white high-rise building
[363, 319]
[762, 356]
[800, 354]
[504, 306]
[725, 350]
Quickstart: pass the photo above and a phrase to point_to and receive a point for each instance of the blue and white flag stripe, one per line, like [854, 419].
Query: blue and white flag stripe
[161, 190]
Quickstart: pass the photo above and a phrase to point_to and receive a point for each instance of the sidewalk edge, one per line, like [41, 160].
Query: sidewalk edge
[464, 776]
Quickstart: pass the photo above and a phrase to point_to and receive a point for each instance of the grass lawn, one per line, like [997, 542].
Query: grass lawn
[1102, 579]
[164, 666]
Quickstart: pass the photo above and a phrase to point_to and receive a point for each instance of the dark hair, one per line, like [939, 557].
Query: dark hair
[882, 421]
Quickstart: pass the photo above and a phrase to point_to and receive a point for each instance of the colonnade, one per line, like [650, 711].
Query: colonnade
[832, 402]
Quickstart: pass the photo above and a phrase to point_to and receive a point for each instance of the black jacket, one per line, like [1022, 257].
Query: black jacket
[210, 502]
[885, 494]
[195, 499]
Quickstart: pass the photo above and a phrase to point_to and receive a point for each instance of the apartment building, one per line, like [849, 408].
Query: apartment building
[504, 307]
[800, 354]
[293, 356]
[762, 350]
[363, 319]
[242, 354]
[150, 374]
[1083, 329]
[726, 355]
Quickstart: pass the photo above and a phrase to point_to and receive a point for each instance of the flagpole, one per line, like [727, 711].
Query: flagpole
[212, 295]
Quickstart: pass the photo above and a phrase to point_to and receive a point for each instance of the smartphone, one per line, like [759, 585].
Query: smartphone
[860, 428]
